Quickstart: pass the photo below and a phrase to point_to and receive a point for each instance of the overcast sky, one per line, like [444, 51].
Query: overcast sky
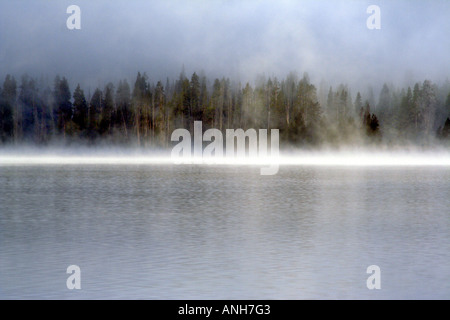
[239, 39]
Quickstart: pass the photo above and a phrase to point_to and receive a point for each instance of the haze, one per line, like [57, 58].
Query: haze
[237, 39]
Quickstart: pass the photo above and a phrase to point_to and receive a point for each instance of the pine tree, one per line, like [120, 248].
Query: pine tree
[330, 105]
[7, 105]
[194, 98]
[159, 112]
[370, 122]
[291, 88]
[63, 105]
[30, 109]
[445, 131]
[124, 116]
[204, 101]
[274, 107]
[217, 103]
[384, 107]
[95, 108]
[447, 105]
[186, 112]
[415, 108]
[107, 110]
[428, 106]
[405, 119]
[247, 106]
[308, 106]
[358, 103]
[227, 110]
[80, 114]
[140, 95]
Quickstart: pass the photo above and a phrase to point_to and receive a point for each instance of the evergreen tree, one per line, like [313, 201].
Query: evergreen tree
[415, 108]
[7, 105]
[447, 105]
[384, 107]
[204, 101]
[29, 110]
[330, 105]
[95, 109]
[217, 103]
[427, 106]
[275, 107]
[247, 106]
[159, 113]
[80, 115]
[227, 109]
[374, 125]
[48, 121]
[342, 105]
[370, 122]
[183, 110]
[308, 105]
[358, 103]
[290, 93]
[140, 102]
[107, 110]
[194, 98]
[124, 116]
[445, 131]
[63, 105]
[405, 119]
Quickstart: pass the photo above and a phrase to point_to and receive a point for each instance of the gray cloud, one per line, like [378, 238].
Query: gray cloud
[240, 39]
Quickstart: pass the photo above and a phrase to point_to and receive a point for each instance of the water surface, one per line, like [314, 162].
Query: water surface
[224, 232]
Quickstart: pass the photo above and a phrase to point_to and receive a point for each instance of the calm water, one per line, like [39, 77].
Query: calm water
[205, 232]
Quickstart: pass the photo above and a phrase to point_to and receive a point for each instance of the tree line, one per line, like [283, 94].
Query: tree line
[146, 113]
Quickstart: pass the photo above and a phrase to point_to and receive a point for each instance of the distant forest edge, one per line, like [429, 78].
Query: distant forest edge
[145, 114]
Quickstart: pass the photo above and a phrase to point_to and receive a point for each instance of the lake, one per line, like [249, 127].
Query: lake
[160, 231]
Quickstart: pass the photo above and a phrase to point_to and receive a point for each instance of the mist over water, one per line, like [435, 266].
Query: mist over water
[30, 156]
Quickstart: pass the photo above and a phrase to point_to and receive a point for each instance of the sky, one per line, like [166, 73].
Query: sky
[237, 39]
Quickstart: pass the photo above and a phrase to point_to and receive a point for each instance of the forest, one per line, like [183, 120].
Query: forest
[145, 114]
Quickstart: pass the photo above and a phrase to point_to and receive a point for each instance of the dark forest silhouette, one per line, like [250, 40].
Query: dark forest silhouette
[145, 113]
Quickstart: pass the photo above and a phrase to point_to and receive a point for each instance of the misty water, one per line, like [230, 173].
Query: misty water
[164, 231]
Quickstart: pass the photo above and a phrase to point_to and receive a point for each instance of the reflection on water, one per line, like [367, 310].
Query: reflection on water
[224, 232]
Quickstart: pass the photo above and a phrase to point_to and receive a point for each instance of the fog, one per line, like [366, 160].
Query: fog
[237, 39]
[356, 157]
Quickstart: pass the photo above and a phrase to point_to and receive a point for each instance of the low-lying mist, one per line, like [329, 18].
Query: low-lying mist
[109, 155]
